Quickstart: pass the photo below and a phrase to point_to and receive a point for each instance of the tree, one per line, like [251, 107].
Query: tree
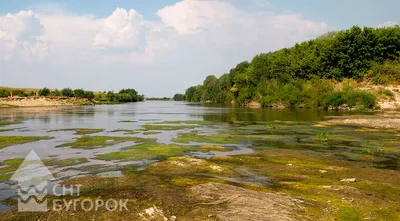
[44, 92]
[89, 95]
[4, 93]
[110, 96]
[67, 92]
[79, 93]
[179, 97]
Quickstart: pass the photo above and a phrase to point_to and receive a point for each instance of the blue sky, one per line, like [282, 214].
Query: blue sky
[160, 47]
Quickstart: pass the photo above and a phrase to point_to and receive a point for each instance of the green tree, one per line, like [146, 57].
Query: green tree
[79, 93]
[67, 92]
[44, 92]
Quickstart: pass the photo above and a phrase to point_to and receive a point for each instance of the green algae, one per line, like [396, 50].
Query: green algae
[147, 152]
[93, 142]
[207, 148]
[6, 141]
[127, 121]
[8, 167]
[6, 123]
[80, 131]
[6, 130]
[150, 132]
[65, 162]
[194, 122]
[125, 131]
[167, 127]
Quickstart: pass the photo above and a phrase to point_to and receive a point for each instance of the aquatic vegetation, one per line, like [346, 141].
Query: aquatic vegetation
[8, 167]
[6, 141]
[64, 162]
[125, 131]
[93, 142]
[195, 122]
[127, 121]
[322, 137]
[6, 123]
[6, 130]
[147, 152]
[208, 148]
[216, 139]
[80, 131]
[167, 127]
[151, 132]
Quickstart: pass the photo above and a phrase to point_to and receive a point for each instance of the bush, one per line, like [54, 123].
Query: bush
[44, 92]
[57, 93]
[4, 93]
[19, 93]
[89, 95]
[79, 93]
[386, 92]
[386, 73]
[67, 92]
[110, 96]
[123, 97]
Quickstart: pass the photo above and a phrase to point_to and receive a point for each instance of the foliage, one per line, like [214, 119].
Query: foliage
[304, 74]
[179, 97]
[89, 95]
[67, 92]
[57, 93]
[44, 92]
[386, 92]
[4, 93]
[79, 93]
[19, 93]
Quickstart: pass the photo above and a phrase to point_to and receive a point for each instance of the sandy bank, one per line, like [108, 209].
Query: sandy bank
[42, 101]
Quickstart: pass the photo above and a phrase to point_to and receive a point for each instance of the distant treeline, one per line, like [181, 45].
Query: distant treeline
[158, 98]
[124, 95]
[306, 74]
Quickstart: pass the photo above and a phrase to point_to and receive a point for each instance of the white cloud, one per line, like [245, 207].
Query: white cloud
[18, 34]
[121, 29]
[387, 24]
[192, 39]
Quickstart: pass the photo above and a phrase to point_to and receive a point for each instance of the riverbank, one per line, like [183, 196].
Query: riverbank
[43, 101]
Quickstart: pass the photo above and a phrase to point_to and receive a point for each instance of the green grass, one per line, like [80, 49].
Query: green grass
[6, 123]
[386, 92]
[65, 162]
[80, 131]
[147, 152]
[93, 142]
[6, 141]
[167, 127]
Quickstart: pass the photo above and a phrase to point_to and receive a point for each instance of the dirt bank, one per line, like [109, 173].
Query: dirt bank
[386, 120]
[42, 101]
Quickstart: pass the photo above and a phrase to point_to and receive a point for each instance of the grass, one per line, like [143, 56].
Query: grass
[65, 162]
[6, 123]
[386, 92]
[167, 127]
[141, 152]
[93, 142]
[80, 131]
[6, 141]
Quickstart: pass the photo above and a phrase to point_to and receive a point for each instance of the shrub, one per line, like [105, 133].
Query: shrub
[123, 97]
[67, 92]
[386, 73]
[57, 93]
[44, 92]
[89, 95]
[19, 93]
[79, 93]
[110, 96]
[4, 93]
[386, 92]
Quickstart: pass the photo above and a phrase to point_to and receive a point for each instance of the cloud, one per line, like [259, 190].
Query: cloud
[190, 40]
[121, 29]
[18, 34]
[387, 24]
